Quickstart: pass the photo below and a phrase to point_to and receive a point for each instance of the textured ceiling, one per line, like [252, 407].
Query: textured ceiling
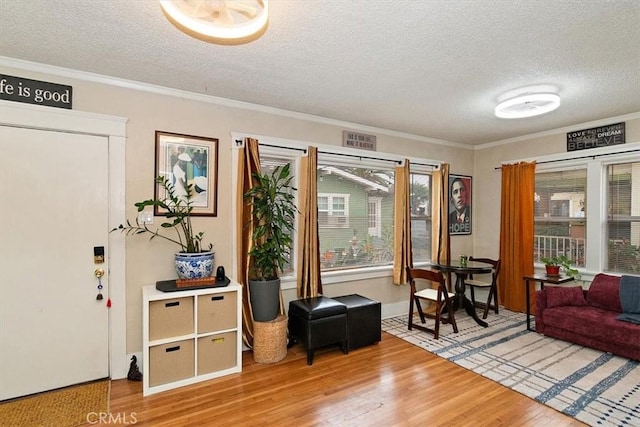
[428, 68]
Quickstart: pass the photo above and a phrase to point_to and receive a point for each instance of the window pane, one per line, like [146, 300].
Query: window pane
[267, 165]
[323, 203]
[560, 215]
[623, 222]
[351, 234]
[338, 205]
[420, 191]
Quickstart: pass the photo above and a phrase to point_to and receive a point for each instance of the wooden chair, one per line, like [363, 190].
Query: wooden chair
[492, 286]
[440, 296]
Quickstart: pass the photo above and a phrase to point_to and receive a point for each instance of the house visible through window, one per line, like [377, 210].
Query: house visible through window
[355, 215]
[356, 208]
[560, 214]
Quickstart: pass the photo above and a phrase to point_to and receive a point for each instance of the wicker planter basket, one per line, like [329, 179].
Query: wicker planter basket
[270, 340]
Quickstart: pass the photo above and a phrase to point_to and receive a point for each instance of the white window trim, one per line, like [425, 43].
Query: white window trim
[377, 230]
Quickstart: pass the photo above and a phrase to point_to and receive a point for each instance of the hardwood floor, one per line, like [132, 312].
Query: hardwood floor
[392, 383]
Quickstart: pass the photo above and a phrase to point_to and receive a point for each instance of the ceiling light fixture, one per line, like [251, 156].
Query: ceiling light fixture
[527, 105]
[225, 20]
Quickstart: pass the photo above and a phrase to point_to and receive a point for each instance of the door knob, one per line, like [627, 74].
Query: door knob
[99, 272]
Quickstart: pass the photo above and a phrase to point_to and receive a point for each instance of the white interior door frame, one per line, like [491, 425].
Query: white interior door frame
[115, 129]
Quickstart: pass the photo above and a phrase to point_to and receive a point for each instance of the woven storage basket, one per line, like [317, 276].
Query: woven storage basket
[270, 340]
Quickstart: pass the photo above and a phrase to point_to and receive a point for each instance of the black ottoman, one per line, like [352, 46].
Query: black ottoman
[318, 322]
[364, 325]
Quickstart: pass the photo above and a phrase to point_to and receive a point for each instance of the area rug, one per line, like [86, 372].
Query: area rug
[66, 407]
[597, 388]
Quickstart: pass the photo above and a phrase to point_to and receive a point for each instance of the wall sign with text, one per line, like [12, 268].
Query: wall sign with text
[36, 92]
[358, 140]
[602, 136]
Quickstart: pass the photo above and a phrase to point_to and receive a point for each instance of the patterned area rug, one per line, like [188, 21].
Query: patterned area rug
[65, 407]
[594, 387]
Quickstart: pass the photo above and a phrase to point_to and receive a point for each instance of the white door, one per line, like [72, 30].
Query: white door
[53, 212]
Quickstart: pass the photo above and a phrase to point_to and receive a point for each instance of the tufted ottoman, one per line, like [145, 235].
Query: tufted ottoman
[317, 322]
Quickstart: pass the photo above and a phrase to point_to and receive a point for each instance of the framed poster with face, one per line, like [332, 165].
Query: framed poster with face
[189, 163]
[459, 204]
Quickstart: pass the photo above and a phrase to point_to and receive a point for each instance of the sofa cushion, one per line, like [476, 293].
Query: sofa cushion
[595, 323]
[561, 296]
[604, 292]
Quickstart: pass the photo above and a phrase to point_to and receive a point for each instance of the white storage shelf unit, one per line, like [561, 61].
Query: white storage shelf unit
[190, 336]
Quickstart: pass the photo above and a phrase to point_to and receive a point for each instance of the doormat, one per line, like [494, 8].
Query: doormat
[595, 387]
[65, 407]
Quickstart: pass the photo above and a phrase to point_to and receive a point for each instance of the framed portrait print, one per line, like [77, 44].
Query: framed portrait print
[188, 162]
[459, 204]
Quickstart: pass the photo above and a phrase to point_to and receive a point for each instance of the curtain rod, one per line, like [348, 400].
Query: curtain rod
[304, 150]
[326, 152]
[358, 156]
[592, 157]
[435, 165]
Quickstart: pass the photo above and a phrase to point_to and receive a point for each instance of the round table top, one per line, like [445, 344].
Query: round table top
[471, 267]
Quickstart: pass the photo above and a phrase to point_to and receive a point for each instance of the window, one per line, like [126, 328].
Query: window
[420, 191]
[560, 214]
[333, 210]
[588, 208]
[267, 164]
[355, 213]
[623, 217]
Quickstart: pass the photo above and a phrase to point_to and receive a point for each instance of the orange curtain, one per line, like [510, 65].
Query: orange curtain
[309, 284]
[440, 244]
[402, 255]
[516, 233]
[248, 163]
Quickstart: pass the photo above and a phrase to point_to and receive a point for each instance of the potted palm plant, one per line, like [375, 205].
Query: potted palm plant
[192, 262]
[273, 212]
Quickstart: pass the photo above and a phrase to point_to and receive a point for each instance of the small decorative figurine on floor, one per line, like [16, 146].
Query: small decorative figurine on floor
[134, 373]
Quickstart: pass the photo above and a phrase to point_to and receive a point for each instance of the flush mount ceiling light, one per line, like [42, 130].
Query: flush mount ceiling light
[527, 105]
[225, 20]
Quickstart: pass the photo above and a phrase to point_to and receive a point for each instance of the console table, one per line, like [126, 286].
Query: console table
[542, 279]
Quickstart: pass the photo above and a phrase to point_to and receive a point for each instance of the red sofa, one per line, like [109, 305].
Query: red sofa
[588, 317]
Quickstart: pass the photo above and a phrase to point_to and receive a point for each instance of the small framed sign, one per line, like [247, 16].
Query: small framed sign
[358, 140]
[36, 92]
[602, 136]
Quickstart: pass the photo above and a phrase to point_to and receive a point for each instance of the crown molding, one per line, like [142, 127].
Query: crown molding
[210, 99]
[566, 129]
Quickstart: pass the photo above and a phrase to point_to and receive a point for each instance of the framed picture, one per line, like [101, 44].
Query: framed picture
[459, 204]
[187, 160]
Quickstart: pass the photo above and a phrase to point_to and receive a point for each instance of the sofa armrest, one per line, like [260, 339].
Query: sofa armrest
[541, 305]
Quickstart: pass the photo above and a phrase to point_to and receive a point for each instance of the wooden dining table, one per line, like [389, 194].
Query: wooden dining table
[462, 271]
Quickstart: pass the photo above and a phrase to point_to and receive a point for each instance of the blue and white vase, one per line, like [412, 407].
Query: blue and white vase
[194, 265]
